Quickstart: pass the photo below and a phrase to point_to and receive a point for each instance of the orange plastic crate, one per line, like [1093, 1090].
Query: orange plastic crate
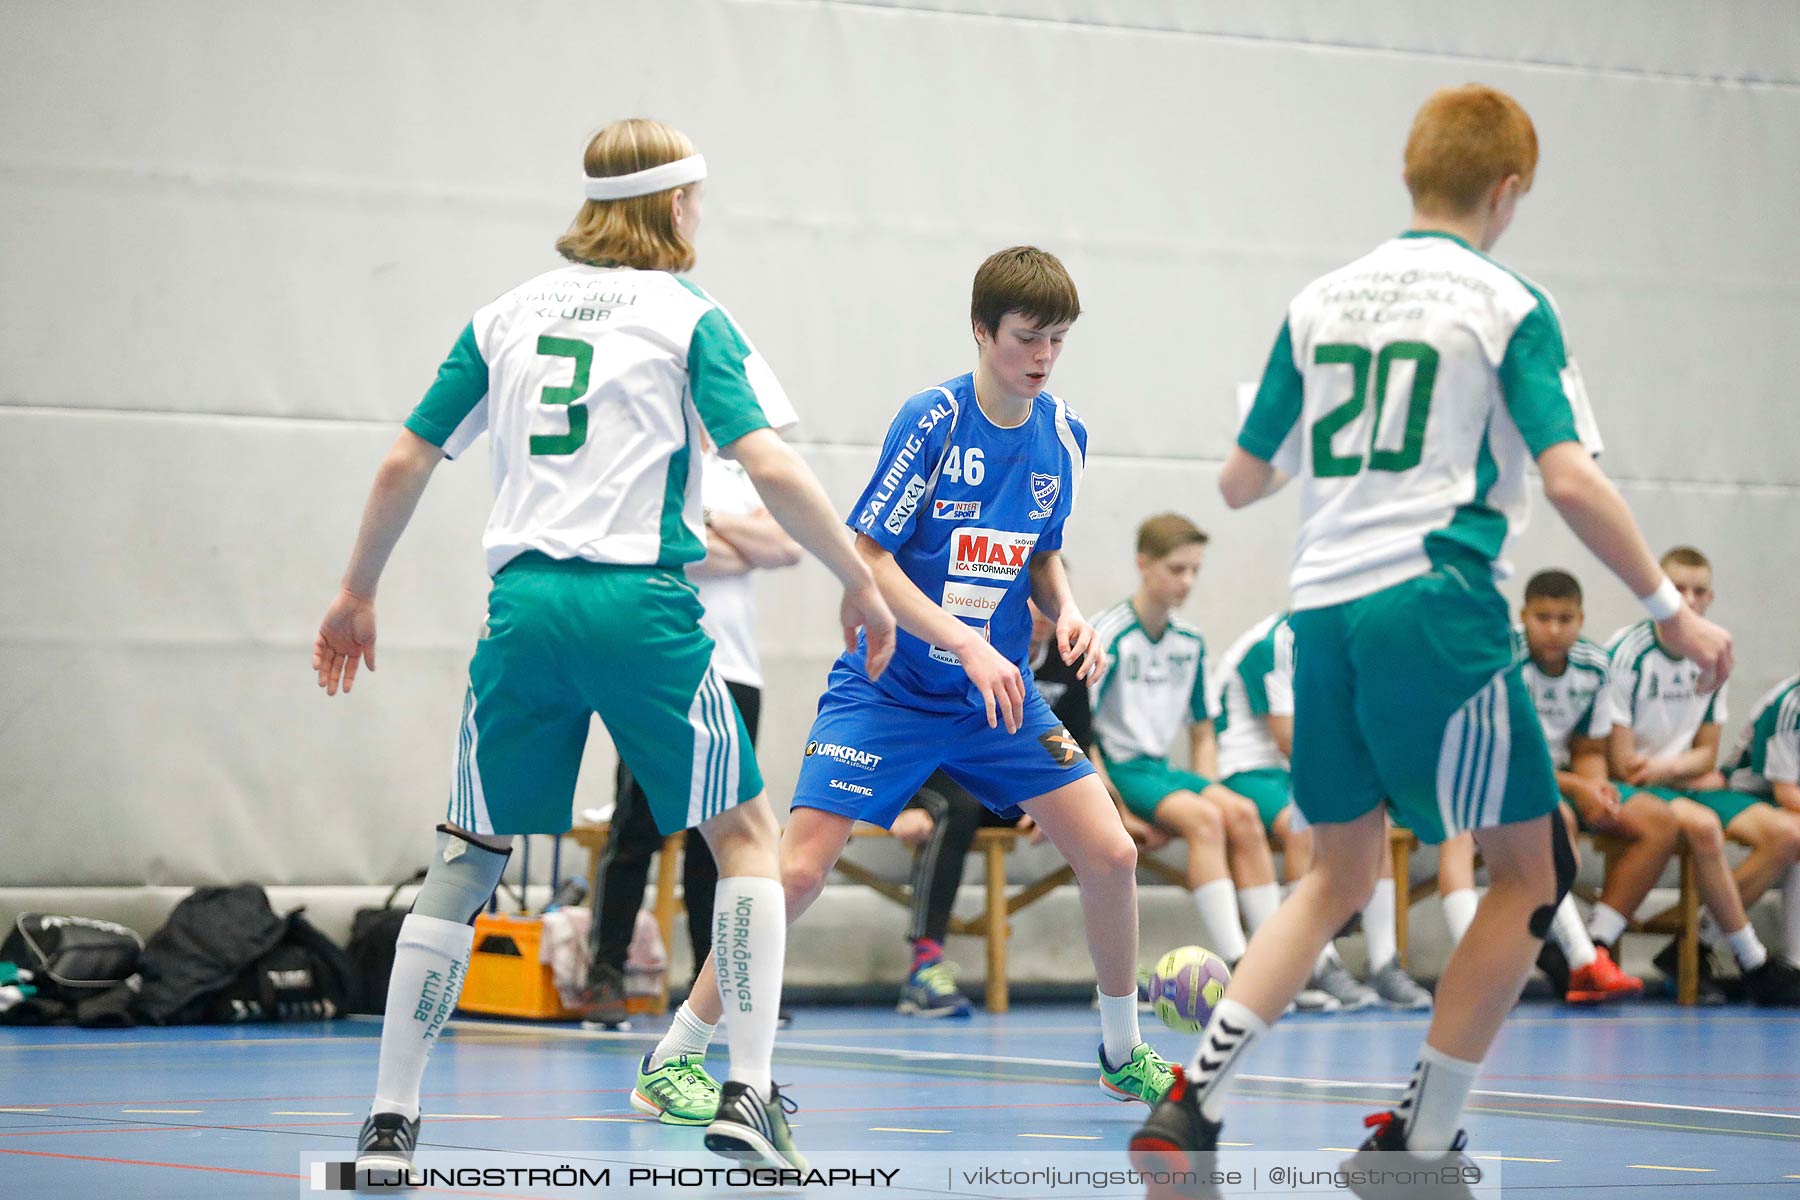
[505, 977]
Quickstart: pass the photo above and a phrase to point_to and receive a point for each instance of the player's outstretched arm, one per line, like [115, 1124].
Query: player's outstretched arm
[796, 500]
[347, 634]
[999, 681]
[1595, 510]
[1075, 636]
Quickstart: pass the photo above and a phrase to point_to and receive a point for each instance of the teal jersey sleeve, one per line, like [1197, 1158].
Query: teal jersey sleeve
[1276, 409]
[719, 381]
[454, 397]
[1198, 708]
[1531, 380]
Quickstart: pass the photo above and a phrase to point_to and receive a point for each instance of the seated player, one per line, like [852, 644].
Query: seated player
[962, 519]
[1255, 728]
[941, 822]
[1764, 762]
[1155, 683]
[1566, 676]
[1665, 743]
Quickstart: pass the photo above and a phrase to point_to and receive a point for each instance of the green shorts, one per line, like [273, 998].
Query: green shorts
[1144, 783]
[567, 640]
[1270, 787]
[1725, 803]
[1412, 693]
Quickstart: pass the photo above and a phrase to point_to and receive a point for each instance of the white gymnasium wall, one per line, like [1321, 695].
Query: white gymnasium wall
[239, 238]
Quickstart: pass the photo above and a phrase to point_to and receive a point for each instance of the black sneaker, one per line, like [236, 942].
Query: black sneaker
[1379, 1173]
[754, 1131]
[1176, 1131]
[1667, 961]
[603, 1000]
[384, 1151]
[1775, 984]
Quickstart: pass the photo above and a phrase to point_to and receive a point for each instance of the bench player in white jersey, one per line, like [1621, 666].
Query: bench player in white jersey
[594, 382]
[963, 518]
[1153, 689]
[1254, 720]
[1410, 391]
[1665, 743]
[1566, 676]
[1764, 761]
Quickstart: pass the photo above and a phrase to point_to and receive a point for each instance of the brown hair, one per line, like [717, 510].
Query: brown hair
[1464, 140]
[1166, 533]
[1025, 280]
[638, 231]
[1684, 556]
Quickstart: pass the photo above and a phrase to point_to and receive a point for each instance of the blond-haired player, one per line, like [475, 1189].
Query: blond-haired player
[594, 382]
[1410, 391]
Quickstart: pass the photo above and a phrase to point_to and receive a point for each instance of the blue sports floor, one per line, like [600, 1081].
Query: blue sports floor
[1639, 1100]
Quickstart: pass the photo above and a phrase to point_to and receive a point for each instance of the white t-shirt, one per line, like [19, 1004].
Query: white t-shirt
[1573, 703]
[1768, 750]
[1255, 682]
[1151, 689]
[730, 600]
[1409, 391]
[593, 384]
[1656, 695]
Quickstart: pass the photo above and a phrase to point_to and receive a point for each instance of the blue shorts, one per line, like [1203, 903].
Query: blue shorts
[867, 755]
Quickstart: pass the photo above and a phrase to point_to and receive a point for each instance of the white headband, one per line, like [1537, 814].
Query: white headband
[691, 169]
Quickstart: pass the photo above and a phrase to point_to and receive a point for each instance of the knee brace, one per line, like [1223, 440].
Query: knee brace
[463, 874]
[1562, 856]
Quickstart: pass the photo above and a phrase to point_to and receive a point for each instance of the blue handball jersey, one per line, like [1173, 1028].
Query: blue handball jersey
[962, 504]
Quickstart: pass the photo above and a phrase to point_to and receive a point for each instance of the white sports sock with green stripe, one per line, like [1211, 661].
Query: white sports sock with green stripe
[431, 958]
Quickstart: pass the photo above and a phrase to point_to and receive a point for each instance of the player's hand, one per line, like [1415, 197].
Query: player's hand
[1636, 770]
[1691, 635]
[1077, 641]
[1598, 803]
[1143, 832]
[1001, 686]
[912, 826]
[346, 638]
[864, 608]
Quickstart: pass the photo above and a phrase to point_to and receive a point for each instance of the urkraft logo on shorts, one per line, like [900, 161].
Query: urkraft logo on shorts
[849, 755]
[1062, 747]
[989, 553]
[956, 510]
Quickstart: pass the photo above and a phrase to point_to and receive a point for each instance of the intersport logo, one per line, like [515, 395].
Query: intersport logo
[989, 553]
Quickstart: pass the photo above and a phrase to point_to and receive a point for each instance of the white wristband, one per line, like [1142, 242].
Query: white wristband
[1664, 602]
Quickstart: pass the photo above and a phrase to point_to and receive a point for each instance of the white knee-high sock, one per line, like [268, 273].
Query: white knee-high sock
[1433, 1104]
[1790, 913]
[749, 946]
[431, 958]
[1571, 935]
[688, 1034]
[1232, 1028]
[1219, 924]
[1378, 926]
[1258, 903]
[1459, 912]
[1119, 1034]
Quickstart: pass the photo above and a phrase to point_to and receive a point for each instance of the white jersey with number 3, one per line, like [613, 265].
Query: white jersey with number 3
[1409, 391]
[593, 384]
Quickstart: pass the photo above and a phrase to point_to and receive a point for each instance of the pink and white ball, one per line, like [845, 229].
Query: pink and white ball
[1186, 986]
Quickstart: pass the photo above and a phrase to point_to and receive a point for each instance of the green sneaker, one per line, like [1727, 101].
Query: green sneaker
[1146, 1076]
[679, 1092]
